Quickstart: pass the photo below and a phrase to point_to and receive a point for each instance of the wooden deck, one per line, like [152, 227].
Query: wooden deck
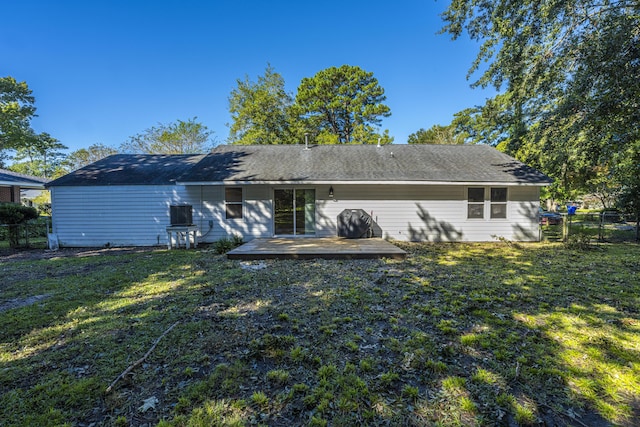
[309, 248]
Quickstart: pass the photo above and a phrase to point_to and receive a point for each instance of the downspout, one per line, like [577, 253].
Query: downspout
[201, 209]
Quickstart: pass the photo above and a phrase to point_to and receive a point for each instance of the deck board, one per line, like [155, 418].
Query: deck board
[309, 248]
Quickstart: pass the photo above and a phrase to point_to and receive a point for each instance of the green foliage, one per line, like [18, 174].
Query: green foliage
[42, 156]
[387, 378]
[487, 124]
[180, 137]
[16, 111]
[85, 156]
[437, 134]
[43, 203]
[570, 78]
[15, 213]
[410, 392]
[336, 106]
[260, 111]
[629, 178]
[237, 240]
[215, 414]
[338, 100]
[365, 134]
[278, 376]
[260, 399]
[225, 244]
[579, 241]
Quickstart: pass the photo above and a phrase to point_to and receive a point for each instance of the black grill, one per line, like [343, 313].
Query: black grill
[354, 224]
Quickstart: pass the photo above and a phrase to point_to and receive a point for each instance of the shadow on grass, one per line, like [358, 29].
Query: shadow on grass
[551, 322]
[457, 334]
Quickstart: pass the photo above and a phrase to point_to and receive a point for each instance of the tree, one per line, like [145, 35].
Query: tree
[85, 156]
[365, 134]
[338, 100]
[490, 124]
[260, 111]
[42, 154]
[570, 77]
[181, 137]
[437, 134]
[629, 177]
[16, 111]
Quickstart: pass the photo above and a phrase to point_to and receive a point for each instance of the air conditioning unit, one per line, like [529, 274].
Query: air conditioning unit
[181, 214]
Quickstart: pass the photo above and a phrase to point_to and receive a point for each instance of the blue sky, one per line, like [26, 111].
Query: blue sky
[102, 71]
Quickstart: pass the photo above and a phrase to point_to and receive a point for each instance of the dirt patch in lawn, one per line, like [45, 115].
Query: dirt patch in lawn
[17, 255]
[22, 302]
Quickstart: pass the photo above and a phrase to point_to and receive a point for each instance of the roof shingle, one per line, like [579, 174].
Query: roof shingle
[318, 163]
[389, 163]
[131, 169]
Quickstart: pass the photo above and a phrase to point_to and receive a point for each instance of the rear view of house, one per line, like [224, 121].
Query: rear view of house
[411, 192]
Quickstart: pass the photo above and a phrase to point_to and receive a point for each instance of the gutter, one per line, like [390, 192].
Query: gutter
[304, 182]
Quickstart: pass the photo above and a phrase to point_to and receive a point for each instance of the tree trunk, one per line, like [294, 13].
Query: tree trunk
[14, 235]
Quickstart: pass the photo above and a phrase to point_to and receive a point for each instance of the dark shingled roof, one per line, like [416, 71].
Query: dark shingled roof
[319, 163]
[331, 163]
[12, 178]
[131, 169]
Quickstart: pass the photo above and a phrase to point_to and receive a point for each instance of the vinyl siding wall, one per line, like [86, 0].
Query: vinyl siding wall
[138, 215]
[135, 215]
[211, 215]
[432, 213]
[408, 212]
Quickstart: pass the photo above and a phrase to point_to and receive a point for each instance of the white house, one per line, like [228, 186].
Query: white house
[412, 192]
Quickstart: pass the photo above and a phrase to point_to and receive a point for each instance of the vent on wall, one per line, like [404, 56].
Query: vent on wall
[181, 214]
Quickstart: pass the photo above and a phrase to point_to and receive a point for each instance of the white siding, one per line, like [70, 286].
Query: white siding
[408, 212]
[256, 213]
[134, 215]
[430, 213]
[138, 215]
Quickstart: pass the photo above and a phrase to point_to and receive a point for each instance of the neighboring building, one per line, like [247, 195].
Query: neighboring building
[12, 184]
[413, 192]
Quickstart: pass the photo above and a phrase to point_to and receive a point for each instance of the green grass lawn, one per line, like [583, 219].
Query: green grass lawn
[455, 335]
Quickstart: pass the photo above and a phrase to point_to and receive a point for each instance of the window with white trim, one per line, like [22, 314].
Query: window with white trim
[233, 202]
[475, 205]
[495, 205]
[498, 203]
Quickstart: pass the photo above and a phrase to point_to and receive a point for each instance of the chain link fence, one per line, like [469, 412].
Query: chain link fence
[608, 226]
[31, 234]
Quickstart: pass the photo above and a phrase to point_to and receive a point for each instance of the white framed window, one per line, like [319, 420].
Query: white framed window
[233, 202]
[487, 201]
[475, 202]
[498, 202]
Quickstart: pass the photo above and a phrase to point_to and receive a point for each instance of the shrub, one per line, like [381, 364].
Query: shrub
[225, 244]
[14, 214]
[579, 241]
[237, 240]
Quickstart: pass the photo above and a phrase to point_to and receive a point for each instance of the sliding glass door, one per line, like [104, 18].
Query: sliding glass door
[294, 212]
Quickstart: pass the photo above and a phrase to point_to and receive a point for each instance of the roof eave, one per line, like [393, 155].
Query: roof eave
[366, 182]
[32, 185]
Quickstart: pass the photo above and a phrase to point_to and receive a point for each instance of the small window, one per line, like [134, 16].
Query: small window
[233, 202]
[475, 207]
[498, 203]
